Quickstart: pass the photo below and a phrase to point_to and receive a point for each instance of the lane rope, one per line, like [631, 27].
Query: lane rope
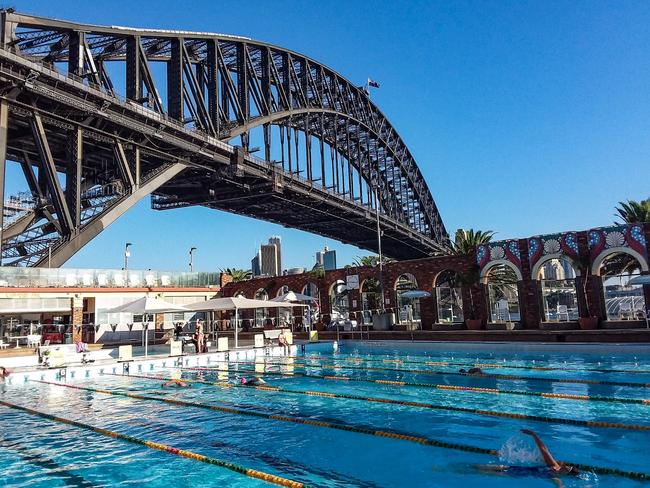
[509, 377]
[409, 403]
[346, 427]
[474, 389]
[470, 364]
[251, 473]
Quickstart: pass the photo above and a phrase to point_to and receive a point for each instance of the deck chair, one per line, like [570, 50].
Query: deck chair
[562, 310]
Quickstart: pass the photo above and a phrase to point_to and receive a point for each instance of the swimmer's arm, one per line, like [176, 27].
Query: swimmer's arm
[546, 454]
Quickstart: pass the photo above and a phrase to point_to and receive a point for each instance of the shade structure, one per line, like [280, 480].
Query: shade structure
[640, 280]
[292, 296]
[236, 303]
[415, 294]
[146, 305]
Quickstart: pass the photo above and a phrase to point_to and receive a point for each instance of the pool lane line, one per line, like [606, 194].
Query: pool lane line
[392, 434]
[350, 428]
[251, 473]
[469, 364]
[408, 403]
[433, 372]
[472, 389]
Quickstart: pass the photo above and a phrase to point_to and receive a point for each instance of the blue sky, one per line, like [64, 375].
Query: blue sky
[525, 117]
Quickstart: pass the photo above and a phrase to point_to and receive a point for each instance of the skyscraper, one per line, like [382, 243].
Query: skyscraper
[269, 261]
[326, 258]
[256, 265]
[277, 241]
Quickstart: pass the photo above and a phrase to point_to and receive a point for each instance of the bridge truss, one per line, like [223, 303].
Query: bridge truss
[100, 117]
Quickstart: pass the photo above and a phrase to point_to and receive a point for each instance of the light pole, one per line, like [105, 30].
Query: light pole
[192, 258]
[127, 254]
[381, 263]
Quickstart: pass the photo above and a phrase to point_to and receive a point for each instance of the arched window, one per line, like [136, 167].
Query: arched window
[261, 313]
[370, 298]
[622, 300]
[449, 298]
[339, 302]
[557, 279]
[284, 314]
[408, 307]
[503, 296]
[311, 313]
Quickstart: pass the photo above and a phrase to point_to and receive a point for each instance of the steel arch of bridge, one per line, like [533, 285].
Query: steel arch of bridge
[125, 112]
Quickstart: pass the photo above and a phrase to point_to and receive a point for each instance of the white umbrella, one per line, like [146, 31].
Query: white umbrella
[235, 303]
[292, 296]
[415, 294]
[146, 305]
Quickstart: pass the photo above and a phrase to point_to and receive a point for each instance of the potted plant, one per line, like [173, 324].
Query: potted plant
[586, 321]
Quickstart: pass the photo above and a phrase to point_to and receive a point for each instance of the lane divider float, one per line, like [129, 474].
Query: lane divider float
[470, 364]
[251, 473]
[346, 427]
[415, 404]
[474, 389]
[509, 377]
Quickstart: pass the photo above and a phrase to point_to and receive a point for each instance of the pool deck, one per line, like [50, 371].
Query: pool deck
[137, 365]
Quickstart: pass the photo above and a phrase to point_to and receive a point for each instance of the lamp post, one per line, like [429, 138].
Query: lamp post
[192, 258]
[127, 254]
[381, 260]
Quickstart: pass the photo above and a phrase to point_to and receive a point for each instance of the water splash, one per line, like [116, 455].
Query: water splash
[520, 450]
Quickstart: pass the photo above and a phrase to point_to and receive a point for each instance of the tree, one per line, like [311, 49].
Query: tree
[466, 241]
[371, 261]
[317, 272]
[464, 244]
[633, 212]
[238, 274]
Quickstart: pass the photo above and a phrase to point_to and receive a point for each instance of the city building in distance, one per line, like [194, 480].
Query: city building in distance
[268, 260]
[326, 258]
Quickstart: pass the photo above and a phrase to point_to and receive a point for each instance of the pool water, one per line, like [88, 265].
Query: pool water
[261, 428]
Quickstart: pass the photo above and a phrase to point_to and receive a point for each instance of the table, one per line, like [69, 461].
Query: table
[18, 340]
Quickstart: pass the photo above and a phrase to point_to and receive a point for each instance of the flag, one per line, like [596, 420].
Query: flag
[373, 83]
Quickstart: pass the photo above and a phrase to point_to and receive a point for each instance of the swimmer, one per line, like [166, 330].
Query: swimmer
[253, 381]
[552, 468]
[174, 383]
[4, 372]
[472, 371]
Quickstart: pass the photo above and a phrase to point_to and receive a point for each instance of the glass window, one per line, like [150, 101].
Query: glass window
[449, 298]
[261, 313]
[503, 296]
[622, 300]
[340, 307]
[557, 279]
[370, 299]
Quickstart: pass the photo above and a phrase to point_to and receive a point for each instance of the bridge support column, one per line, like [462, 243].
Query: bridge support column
[4, 125]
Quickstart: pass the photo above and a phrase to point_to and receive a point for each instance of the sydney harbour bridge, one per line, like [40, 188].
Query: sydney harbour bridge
[100, 117]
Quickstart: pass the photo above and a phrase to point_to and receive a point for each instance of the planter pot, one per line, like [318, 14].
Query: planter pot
[474, 324]
[588, 323]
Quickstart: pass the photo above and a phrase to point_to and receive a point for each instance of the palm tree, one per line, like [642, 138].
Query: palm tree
[238, 274]
[466, 241]
[633, 212]
[360, 261]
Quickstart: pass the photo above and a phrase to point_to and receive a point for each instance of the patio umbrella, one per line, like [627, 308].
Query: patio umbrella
[235, 303]
[292, 296]
[147, 305]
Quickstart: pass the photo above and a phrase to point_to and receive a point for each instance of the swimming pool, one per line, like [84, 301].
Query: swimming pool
[369, 414]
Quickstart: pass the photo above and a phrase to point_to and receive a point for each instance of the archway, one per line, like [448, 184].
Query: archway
[408, 308]
[261, 313]
[503, 295]
[623, 301]
[370, 299]
[339, 301]
[449, 298]
[557, 280]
